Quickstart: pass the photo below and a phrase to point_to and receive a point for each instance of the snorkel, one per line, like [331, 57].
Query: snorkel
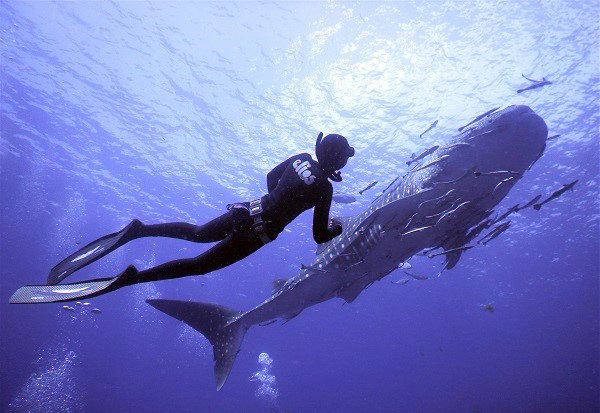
[333, 153]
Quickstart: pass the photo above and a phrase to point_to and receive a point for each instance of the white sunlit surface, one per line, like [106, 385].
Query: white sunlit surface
[229, 90]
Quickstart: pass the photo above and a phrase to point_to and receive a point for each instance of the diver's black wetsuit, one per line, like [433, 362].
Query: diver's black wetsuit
[294, 186]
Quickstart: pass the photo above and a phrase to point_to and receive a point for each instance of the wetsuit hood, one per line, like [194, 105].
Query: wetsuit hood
[333, 153]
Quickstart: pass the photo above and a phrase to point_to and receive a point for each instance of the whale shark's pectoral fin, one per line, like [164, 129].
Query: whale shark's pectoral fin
[218, 324]
[350, 292]
[452, 259]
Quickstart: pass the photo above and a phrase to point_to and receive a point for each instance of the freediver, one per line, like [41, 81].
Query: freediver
[294, 186]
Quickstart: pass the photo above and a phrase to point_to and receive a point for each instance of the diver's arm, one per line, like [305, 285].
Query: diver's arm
[274, 176]
[321, 232]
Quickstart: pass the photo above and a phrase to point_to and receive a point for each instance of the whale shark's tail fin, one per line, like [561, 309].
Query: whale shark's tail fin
[216, 324]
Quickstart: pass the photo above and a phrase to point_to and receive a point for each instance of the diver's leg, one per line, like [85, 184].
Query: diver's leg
[230, 250]
[212, 231]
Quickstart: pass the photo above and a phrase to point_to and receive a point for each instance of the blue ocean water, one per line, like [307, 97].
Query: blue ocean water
[167, 111]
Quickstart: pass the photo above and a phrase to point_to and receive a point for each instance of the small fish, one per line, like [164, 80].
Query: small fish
[424, 154]
[449, 213]
[401, 281]
[488, 307]
[532, 80]
[436, 199]
[477, 230]
[430, 164]
[343, 199]
[502, 182]
[267, 323]
[553, 137]
[416, 276]
[96, 310]
[67, 308]
[507, 213]
[417, 230]
[405, 265]
[536, 84]
[371, 185]
[86, 303]
[433, 125]
[451, 251]
[478, 118]
[424, 253]
[530, 203]
[493, 173]
[78, 303]
[556, 194]
[495, 232]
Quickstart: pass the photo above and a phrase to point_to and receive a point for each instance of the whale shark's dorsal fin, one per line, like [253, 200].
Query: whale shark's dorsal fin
[350, 292]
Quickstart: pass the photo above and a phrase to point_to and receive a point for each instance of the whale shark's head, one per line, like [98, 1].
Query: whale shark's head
[511, 139]
[508, 140]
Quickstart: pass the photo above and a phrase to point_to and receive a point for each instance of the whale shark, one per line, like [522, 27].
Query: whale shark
[442, 204]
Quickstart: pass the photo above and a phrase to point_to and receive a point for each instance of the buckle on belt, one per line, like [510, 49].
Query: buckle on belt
[258, 224]
[255, 207]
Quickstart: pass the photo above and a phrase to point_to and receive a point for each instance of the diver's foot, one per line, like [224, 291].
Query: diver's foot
[127, 277]
[94, 251]
[129, 272]
[132, 231]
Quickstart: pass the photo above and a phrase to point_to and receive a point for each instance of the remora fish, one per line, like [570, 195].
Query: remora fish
[553, 137]
[556, 194]
[433, 125]
[468, 247]
[530, 203]
[354, 260]
[536, 84]
[417, 276]
[371, 185]
[495, 232]
[343, 199]
[478, 118]
[512, 209]
[424, 154]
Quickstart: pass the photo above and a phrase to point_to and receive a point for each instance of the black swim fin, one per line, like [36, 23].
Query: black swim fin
[35, 294]
[92, 252]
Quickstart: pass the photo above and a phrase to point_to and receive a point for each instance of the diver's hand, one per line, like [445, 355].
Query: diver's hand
[335, 227]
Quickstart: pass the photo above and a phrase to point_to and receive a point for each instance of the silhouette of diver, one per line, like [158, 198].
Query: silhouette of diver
[294, 186]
